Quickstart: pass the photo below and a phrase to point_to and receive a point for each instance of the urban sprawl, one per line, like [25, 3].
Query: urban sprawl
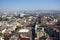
[31, 25]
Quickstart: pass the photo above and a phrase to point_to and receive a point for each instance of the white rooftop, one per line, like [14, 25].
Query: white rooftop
[24, 30]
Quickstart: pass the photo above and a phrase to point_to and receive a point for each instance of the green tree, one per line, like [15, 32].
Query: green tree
[0, 34]
[5, 19]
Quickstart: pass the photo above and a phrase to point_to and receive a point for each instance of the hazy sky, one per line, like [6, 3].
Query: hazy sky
[29, 4]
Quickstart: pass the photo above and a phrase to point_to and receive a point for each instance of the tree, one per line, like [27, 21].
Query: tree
[7, 36]
[0, 34]
[0, 18]
[5, 19]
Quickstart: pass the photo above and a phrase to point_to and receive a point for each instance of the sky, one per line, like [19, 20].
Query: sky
[13, 5]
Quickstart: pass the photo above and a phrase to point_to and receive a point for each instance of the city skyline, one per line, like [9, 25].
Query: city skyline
[13, 5]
